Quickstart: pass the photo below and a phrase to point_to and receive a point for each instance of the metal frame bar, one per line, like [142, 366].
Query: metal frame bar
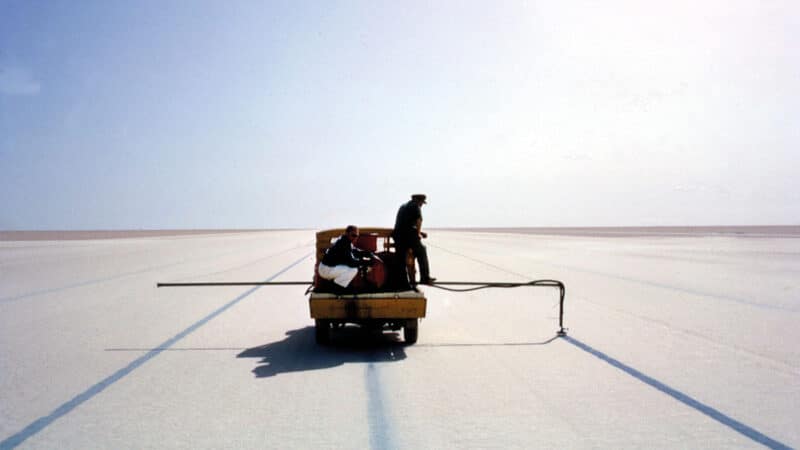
[438, 284]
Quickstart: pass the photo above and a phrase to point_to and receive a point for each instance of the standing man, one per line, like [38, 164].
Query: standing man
[408, 234]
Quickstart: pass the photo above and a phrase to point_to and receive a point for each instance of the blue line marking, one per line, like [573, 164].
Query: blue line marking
[14, 298]
[380, 431]
[715, 414]
[42, 423]
[726, 298]
[82, 283]
[700, 293]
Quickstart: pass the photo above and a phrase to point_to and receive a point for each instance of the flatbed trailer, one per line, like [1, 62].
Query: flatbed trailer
[397, 307]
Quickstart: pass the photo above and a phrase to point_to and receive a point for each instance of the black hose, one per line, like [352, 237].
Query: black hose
[489, 284]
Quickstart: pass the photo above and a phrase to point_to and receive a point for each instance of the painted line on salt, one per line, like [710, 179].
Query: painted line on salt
[381, 435]
[709, 411]
[43, 422]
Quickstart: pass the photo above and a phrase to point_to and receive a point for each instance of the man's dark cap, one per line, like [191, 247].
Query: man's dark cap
[419, 197]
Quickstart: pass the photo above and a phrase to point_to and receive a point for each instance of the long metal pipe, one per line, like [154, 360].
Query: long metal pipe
[438, 284]
[236, 283]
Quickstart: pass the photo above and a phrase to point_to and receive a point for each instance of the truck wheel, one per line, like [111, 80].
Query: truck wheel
[411, 331]
[322, 331]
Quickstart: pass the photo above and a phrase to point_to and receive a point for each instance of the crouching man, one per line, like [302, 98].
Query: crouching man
[344, 263]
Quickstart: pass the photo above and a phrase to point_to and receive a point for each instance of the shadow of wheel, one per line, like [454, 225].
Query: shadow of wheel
[322, 331]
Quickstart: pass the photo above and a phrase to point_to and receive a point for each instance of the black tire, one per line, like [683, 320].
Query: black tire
[322, 331]
[411, 331]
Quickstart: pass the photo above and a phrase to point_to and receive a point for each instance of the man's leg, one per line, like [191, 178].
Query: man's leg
[401, 249]
[421, 253]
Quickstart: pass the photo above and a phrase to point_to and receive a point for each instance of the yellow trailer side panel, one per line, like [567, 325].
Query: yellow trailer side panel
[367, 308]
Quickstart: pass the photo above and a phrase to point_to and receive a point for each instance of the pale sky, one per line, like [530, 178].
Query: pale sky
[192, 114]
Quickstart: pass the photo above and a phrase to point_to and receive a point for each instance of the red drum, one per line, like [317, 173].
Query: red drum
[377, 274]
[368, 242]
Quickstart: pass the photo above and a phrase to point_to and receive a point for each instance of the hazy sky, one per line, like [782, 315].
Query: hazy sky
[191, 114]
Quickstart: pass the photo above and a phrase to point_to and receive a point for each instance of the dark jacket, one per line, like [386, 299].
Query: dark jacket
[405, 225]
[343, 253]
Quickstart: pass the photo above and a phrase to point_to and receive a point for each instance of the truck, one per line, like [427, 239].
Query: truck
[391, 301]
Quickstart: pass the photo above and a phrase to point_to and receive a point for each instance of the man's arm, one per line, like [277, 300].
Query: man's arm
[341, 253]
[359, 253]
[418, 226]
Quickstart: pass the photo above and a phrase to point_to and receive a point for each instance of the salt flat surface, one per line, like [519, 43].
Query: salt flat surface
[685, 341]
